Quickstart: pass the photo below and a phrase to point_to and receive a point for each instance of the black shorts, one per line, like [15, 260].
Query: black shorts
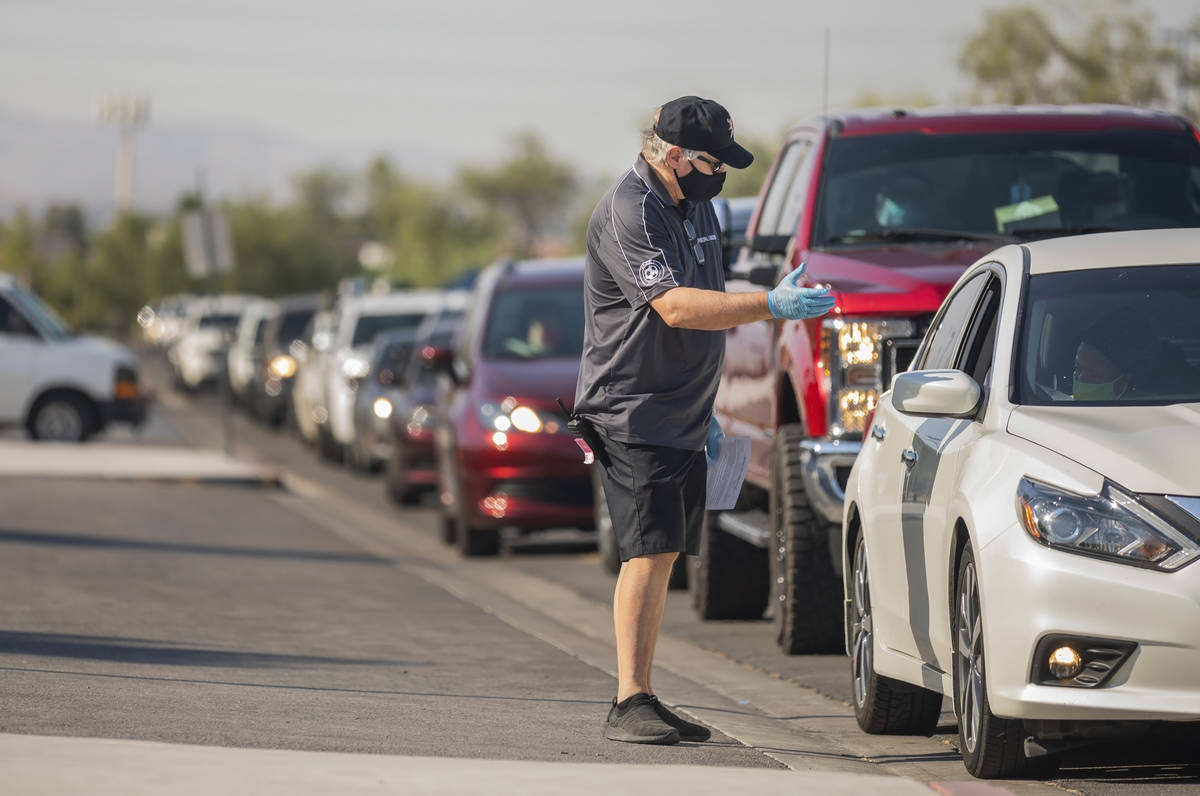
[655, 496]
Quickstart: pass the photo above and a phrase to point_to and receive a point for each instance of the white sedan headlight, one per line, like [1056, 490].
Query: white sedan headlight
[1112, 525]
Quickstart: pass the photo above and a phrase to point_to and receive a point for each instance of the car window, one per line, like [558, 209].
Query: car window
[1111, 336]
[293, 326]
[789, 187]
[11, 321]
[946, 332]
[535, 323]
[394, 356]
[219, 321]
[977, 350]
[473, 320]
[370, 325]
[30, 316]
[260, 330]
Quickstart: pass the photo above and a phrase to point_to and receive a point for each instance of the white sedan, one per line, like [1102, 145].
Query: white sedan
[1022, 527]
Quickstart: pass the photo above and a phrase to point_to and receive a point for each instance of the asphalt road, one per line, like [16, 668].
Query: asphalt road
[205, 615]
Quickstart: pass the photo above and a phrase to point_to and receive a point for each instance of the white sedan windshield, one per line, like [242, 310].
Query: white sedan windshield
[1116, 336]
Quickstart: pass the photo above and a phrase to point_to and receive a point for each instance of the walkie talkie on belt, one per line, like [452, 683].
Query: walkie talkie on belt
[584, 433]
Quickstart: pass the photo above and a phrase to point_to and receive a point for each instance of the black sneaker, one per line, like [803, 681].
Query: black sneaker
[636, 720]
[686, 729]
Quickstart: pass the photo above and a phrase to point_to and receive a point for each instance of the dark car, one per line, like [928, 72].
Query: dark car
[270, 390]
[504, 455]
[375, 395]
[411, 468]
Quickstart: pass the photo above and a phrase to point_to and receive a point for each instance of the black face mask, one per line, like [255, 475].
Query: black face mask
[700, 187]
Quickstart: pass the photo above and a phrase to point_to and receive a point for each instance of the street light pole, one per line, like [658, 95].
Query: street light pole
[129, 114]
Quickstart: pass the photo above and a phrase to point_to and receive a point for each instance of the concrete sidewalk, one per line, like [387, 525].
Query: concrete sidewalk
[130, 462]
[53, 765]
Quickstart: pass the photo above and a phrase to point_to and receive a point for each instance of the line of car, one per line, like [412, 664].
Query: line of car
[939, 479]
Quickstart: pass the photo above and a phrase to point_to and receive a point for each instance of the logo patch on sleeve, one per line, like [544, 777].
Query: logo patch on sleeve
[651, 272]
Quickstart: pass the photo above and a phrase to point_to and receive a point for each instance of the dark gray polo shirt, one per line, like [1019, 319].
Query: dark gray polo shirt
[640, 380]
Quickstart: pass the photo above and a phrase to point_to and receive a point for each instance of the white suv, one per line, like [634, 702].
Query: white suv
[358, 320]
[59, 386]
[198, 353]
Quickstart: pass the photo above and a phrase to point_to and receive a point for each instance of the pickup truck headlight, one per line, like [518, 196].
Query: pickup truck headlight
[852, 356]
[1112, 525]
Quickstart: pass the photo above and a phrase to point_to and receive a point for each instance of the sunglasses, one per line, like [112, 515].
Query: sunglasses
[697, 249]
[715, 165]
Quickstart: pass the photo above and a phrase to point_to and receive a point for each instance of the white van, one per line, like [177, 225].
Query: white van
[59, 386]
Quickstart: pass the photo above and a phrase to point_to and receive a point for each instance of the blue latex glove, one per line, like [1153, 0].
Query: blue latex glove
[788, 301]
[713, 444]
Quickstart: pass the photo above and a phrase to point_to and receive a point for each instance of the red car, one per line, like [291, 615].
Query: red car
[505, 457]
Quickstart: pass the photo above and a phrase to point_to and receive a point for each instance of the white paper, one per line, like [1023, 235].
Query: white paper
[726, 474]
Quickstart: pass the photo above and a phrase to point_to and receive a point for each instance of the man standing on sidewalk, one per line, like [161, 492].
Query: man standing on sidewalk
[657, 311]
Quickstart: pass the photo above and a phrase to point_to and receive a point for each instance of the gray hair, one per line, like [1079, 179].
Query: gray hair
[654, 149]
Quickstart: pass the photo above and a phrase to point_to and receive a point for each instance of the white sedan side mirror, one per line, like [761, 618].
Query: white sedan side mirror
[936, 393]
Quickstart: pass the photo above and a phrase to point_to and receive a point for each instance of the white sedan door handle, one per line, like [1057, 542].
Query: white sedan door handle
[908, 456]
[878, 432]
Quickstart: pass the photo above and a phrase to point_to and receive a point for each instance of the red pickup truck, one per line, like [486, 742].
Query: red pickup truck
[888, 209]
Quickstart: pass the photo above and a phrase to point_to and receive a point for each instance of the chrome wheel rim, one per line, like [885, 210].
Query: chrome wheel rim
[861, 631]
[969, 641]
[59, 421]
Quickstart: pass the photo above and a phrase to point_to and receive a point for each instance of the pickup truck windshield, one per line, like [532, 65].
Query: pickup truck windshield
[1113, 336]
[41, 316]
[535, 323]
[912, 187]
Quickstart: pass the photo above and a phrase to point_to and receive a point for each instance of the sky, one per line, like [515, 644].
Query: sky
[436, 84]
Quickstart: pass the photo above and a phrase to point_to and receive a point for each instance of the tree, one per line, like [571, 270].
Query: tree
[1107, 54]
[531, 186]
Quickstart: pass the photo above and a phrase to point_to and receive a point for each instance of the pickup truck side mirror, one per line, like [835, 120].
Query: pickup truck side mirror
[936, 393]
[763, 275]
[770, 244]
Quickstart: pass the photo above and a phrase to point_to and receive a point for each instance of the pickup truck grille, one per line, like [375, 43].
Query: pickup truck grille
[899, 352]
[898, 355]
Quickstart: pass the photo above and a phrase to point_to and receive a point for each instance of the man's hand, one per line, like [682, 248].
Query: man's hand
[790, 302]
[713, 445]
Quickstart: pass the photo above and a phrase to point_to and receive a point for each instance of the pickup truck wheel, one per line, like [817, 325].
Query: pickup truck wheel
[606, 538]
[62, 417]
[728, 580]
[807, 593]
[882, 705]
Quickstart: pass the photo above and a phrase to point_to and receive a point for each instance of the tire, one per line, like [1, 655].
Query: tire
[807, 604]
[449, 529]
[397, 484]
[882, 705]
[359, 460]
[729, 579]
[992, 747]
[606, 538]
[472, 542]
[62, 417]
[328, 448]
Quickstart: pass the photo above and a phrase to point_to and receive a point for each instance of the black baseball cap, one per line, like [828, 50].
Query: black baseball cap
[702, 125]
